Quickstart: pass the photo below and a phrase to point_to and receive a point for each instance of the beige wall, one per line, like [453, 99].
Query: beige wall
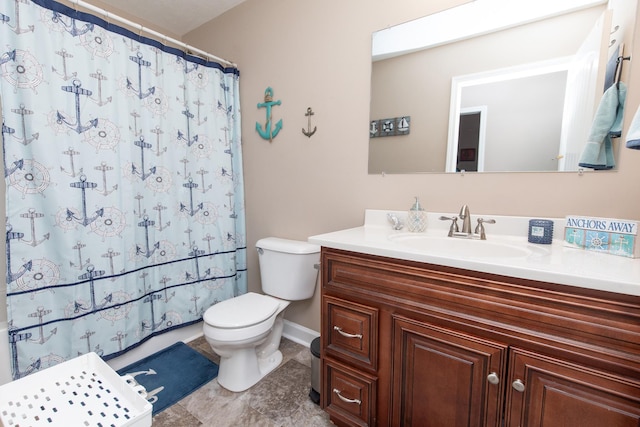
[317, 54]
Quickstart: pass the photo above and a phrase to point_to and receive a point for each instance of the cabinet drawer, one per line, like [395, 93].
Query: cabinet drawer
[349, 395]
[351, 332]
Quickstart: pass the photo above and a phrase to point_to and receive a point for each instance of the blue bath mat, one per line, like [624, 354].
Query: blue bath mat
[171, 374]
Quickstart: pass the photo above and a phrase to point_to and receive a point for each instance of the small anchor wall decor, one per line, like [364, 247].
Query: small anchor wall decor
[268, 132]
[309, 132]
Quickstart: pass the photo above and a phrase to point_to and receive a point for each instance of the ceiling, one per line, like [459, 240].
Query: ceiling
[177, 17]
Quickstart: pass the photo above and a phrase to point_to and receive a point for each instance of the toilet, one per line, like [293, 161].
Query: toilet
[245, 331]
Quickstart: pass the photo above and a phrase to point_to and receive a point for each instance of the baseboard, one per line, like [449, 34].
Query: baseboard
[155, 344]
[298, 333]
[292, 331]
[194, 334]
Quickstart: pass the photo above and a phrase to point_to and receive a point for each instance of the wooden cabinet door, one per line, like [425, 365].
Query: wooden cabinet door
[445, 378]
[547, 392]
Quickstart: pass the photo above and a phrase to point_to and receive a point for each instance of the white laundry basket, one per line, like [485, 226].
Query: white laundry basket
[84, 391]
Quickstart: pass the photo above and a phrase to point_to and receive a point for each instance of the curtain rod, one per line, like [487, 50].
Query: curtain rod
[108, 15]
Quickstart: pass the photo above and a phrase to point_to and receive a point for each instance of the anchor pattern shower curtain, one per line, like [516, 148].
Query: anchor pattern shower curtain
[124, 185]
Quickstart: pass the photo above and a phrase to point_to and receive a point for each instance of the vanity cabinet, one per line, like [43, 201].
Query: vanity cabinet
[407, 343]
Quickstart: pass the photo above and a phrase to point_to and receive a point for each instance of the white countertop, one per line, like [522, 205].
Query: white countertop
[553, 263]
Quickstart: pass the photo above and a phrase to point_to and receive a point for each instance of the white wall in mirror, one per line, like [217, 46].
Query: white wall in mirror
[540, 100]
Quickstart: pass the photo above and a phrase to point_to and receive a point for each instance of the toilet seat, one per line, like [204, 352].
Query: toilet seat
[241, 312]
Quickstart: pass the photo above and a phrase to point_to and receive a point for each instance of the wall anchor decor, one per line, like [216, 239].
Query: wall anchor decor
[309, 132]
[267, 132]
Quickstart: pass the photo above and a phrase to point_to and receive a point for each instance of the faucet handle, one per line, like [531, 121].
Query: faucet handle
[480, 227]
[454, 224]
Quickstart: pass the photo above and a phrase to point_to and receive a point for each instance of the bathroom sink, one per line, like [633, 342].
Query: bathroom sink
[499, 247]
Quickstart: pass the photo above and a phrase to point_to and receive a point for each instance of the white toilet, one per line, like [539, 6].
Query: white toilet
[245, 331]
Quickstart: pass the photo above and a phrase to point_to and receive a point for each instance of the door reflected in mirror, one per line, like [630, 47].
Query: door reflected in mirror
[545, 75]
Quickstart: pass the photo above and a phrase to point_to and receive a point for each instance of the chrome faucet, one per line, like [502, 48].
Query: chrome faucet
[454, 224]
[465, 216]
[480, 227]
[466, 232]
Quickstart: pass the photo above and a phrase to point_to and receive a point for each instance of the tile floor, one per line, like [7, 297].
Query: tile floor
[280, 399]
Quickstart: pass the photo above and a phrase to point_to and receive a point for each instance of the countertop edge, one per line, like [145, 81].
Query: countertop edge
[566, 266]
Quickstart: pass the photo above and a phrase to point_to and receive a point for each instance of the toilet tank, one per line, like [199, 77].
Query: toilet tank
[287, 267]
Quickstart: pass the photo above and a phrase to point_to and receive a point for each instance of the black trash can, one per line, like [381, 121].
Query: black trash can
[314, 394]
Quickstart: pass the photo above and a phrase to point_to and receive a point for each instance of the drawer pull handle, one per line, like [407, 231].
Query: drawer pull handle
[345, 334]
[493, 378]
[518, 385]
[344, 399]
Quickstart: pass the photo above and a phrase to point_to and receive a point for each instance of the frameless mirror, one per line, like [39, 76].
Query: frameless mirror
[513, 94]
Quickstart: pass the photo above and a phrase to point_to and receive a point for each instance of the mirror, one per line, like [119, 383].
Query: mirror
[455, 93]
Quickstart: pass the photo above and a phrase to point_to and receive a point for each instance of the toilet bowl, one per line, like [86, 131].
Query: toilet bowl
[241, 331]
[245, 331]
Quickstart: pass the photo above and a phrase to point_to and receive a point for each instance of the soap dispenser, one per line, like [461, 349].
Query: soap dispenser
[417, 218]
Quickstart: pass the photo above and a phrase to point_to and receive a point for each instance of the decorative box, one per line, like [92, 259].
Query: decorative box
[540, 231]
[607, 235]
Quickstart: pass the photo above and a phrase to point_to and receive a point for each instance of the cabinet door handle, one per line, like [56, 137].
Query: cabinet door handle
[344, 399]
[345, 334]
[518, 385]
[493, 378]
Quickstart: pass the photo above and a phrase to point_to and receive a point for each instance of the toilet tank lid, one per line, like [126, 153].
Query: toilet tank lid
[288, 246]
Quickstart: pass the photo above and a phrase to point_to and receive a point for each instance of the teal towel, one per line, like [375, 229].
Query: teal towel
[633, 136]
[607, 124]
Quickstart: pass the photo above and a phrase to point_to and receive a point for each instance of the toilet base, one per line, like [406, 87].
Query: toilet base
[244, 370]
[246, 361]
[270, 363]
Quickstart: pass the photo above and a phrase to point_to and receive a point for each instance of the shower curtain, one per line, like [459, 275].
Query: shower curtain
[124, 185]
